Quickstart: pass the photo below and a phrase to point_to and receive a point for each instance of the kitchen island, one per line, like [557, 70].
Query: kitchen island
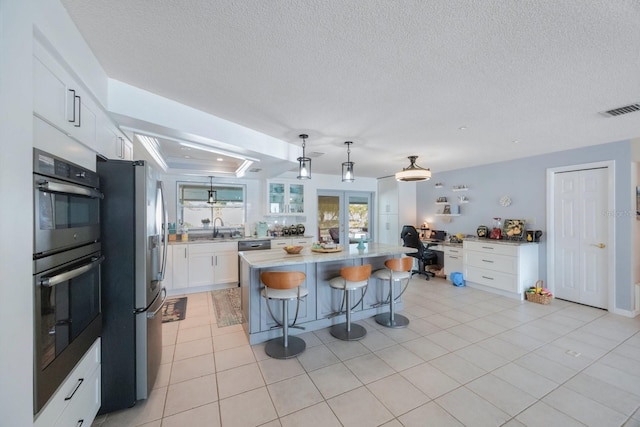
[317, 308]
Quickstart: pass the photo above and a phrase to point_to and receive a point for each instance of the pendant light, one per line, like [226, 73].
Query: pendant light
[347, 167]
[212, 194]
[304, 163]
[413, 172]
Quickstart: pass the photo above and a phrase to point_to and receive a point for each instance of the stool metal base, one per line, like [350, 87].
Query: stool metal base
[340, 331]
[275, 348]
[399, 321]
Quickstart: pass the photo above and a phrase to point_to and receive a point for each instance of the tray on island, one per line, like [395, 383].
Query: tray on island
[327, 250]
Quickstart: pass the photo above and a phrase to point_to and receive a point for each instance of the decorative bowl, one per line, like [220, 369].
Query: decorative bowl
[293, 249]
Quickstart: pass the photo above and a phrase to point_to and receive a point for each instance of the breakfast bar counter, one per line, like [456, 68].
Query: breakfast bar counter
[317, 307]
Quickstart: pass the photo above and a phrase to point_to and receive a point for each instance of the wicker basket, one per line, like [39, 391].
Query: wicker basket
[536, 297]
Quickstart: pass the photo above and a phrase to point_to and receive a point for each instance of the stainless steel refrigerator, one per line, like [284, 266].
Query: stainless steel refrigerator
[133, 233]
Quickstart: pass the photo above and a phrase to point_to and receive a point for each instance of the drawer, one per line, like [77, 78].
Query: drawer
[490, 261]
[493, 279]
[211, 248]
[301, 242]
[84, 405]
[490, 247]
[279, 243]
[452, 250]
[58, 403]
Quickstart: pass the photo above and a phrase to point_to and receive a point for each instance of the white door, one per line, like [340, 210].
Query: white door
[580, 236]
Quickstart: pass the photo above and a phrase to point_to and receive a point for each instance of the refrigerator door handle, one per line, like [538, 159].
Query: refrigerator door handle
[165, 225]
[141, 310]
[164, 299]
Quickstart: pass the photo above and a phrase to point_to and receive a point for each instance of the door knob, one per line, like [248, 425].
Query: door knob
[599, 245]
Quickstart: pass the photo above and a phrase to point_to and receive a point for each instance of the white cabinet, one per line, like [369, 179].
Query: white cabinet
[392, 196]
[292, 241]
[113, 143]
[505, 268]
[78, 399]
[194, 265]
[285, 198]
[61, 101]
[179, 266]
[453, 259]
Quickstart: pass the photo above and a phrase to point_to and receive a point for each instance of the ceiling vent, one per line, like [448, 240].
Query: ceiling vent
[622, 110]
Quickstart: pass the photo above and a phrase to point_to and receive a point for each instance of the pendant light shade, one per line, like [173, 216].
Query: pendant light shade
[213, 195]
[304, 163]
[347, 167]
[413, 172]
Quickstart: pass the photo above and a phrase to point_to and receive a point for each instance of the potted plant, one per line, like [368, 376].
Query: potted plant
[205, 222]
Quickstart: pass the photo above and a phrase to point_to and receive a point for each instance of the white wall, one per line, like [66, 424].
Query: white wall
[16, 247]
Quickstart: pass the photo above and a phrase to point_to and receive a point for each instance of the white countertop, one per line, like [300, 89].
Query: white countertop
[278, 257]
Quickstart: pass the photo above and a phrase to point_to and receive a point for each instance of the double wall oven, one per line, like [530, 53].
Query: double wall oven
[67, 258]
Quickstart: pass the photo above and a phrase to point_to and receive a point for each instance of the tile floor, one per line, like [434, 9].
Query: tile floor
[468, 358]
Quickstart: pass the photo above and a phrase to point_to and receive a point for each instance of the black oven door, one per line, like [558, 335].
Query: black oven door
[66, 215]
[67, 319]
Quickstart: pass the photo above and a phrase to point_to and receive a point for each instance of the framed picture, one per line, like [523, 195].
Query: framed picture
[513, 229]
[446, 210]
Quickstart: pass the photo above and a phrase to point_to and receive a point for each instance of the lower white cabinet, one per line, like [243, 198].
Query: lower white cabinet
[194, 265]
[78, 399]
[453, 259]
[292, 241]
[506, 268]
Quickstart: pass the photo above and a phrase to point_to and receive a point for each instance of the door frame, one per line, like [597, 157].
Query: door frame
[343, 196]
[610, 214]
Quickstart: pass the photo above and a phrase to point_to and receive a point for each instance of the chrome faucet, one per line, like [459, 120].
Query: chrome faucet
[215, 231]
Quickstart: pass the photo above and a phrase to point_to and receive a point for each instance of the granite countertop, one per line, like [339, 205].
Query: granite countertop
[274, 258]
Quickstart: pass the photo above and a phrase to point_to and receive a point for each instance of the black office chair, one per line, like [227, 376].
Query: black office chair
[411, 239]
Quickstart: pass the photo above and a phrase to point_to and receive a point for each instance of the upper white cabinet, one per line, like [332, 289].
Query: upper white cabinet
[285, 198]
[391, 196]
[62, 102]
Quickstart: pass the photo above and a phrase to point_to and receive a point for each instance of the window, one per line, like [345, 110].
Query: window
[196, 212]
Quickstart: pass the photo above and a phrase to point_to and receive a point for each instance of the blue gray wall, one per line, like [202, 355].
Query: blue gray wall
[524, 180]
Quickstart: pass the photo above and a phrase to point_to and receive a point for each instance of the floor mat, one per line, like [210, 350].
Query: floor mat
[174, 309]
[226, 303]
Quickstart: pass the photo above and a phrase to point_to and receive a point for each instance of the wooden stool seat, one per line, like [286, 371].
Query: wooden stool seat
[284, 286]
[397, 269]
[350, 279]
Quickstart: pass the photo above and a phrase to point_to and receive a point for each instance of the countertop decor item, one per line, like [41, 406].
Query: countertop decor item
[513, 229]
[292, 250]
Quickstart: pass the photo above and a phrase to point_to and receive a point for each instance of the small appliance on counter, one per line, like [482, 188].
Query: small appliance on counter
[261, 229]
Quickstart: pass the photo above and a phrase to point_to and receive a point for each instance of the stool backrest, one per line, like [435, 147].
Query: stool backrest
[358, 273]
[399, 264]
[282, 279]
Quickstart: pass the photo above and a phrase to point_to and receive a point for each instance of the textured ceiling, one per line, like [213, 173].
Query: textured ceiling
[398, 78]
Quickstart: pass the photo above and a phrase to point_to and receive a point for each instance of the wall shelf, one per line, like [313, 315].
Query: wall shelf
[460, 189]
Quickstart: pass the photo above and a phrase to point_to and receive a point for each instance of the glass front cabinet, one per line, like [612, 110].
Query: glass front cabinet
[285, 198]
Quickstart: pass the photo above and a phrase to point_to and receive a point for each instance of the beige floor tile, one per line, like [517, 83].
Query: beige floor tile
[448, 340]
[376, 340]
[457, 368]
[167, 354]
[546, 368]
[192, 367]
[215, 330]
[615, 377]
[502, 348]
[195, 333]
[294, 394]
[370, 411]
[397, 394]
[227, 341]
[543, 415]
[369, 368]
[317, 357]
[400, 335]
[191, 394]
[466, 332]
[604, 393]
[481, 357]
[346, 350]
[425, 348]
[194, 321]
[429, 414]
[239, 380]
[443, 322]
[334, 380]
[319, 415]
[248, 409]
[164, 373]
[423, 327]
[524, 379]
[505, 396]
[430, 380]
[398, 357]
[470, 409]
[583, 409]
[202, 416]
[193, 349]
[274, 370]
[234, 357]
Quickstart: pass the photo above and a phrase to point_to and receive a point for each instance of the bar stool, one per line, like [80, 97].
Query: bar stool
[350, 279]
[397, 269]
[284, 286]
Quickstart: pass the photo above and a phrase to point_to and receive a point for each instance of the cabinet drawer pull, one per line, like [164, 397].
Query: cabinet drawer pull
[488, 260]
[73, 100]
[453, 257]
[79, 111]
[80, 381]
[488, 247]
[488, 278]
[80, 422]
